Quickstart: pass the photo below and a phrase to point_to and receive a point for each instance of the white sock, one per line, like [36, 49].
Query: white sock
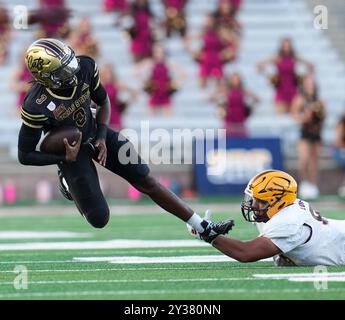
[195, 221]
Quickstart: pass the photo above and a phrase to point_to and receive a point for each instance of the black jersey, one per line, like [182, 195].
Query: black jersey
[43, 109]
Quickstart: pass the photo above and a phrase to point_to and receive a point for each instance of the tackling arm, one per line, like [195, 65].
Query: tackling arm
[246, 251]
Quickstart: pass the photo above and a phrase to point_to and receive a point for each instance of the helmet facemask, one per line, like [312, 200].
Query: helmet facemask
[65, 76]
[254, 210]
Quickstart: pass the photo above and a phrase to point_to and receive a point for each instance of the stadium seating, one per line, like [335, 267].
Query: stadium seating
[264, 24]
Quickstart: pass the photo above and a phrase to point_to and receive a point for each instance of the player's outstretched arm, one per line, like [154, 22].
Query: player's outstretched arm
[246, 251]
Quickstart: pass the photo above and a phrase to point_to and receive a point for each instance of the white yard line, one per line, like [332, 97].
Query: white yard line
[298, 275]
[318, 279]
[92, 281]
[139, 260]
[173, 259]
[108, 244]
[15, 262]
[17, 234]
[304, 277]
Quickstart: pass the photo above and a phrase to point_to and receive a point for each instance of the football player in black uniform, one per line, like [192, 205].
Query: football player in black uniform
[62, 94]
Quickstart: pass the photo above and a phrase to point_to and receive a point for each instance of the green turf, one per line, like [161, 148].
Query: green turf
[53, 274]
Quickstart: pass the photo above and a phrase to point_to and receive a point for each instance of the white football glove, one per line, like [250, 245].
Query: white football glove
[211, 230]
[195, 233]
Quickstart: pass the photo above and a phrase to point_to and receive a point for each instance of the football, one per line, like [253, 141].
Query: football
[53, 140]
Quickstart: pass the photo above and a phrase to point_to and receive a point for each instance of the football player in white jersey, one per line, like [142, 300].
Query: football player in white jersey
[292, 232]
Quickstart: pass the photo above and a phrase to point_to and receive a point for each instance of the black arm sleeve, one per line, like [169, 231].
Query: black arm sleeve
[27, 141]
[99, 95]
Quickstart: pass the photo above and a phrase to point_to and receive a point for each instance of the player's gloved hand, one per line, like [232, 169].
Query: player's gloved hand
[72, 150]
[192, 231]
[212, 230]
[101, 146]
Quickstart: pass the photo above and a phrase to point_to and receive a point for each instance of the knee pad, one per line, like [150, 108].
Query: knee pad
[97, 217]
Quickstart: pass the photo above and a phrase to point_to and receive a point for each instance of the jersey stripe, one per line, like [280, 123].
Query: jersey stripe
[32, 126]
[33, 117]
[97, 85]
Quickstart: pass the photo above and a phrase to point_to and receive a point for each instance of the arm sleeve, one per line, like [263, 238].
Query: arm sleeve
[33, 120]
[27, 142]
[98, 93]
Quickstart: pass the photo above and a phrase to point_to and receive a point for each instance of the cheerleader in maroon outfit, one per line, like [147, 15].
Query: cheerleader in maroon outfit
[82, 40]
[235, 6]
[175, 18]
[211, 55]
[53, 17]
[119, 7]
[21, 82]
[115, 5]
[160, 85]
[115, 89]
[286, 80]
[161, 79]
[234, 106]
[224, 17]
[141, 33]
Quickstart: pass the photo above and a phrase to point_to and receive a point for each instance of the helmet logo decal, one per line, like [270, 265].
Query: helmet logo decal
[35, 63]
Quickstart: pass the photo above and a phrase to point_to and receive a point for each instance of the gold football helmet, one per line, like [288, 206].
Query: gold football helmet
[266, 194]
[52, 63]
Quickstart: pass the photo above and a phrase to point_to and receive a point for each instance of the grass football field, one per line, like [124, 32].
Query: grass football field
[141, 256]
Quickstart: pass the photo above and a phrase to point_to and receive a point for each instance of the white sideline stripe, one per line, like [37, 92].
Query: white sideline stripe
[175, 259]
[41, 234]
[309, 275]
[304, 277]
[159, 292]
[318, 279]
[109, 244]
[15, 262]
[132, 281]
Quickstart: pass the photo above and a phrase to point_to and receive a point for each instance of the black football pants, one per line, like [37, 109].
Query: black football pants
[82, 178]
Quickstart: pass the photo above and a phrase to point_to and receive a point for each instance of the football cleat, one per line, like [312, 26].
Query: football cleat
[63, 186]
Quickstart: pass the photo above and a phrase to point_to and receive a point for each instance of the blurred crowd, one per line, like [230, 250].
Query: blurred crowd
[212, 48]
